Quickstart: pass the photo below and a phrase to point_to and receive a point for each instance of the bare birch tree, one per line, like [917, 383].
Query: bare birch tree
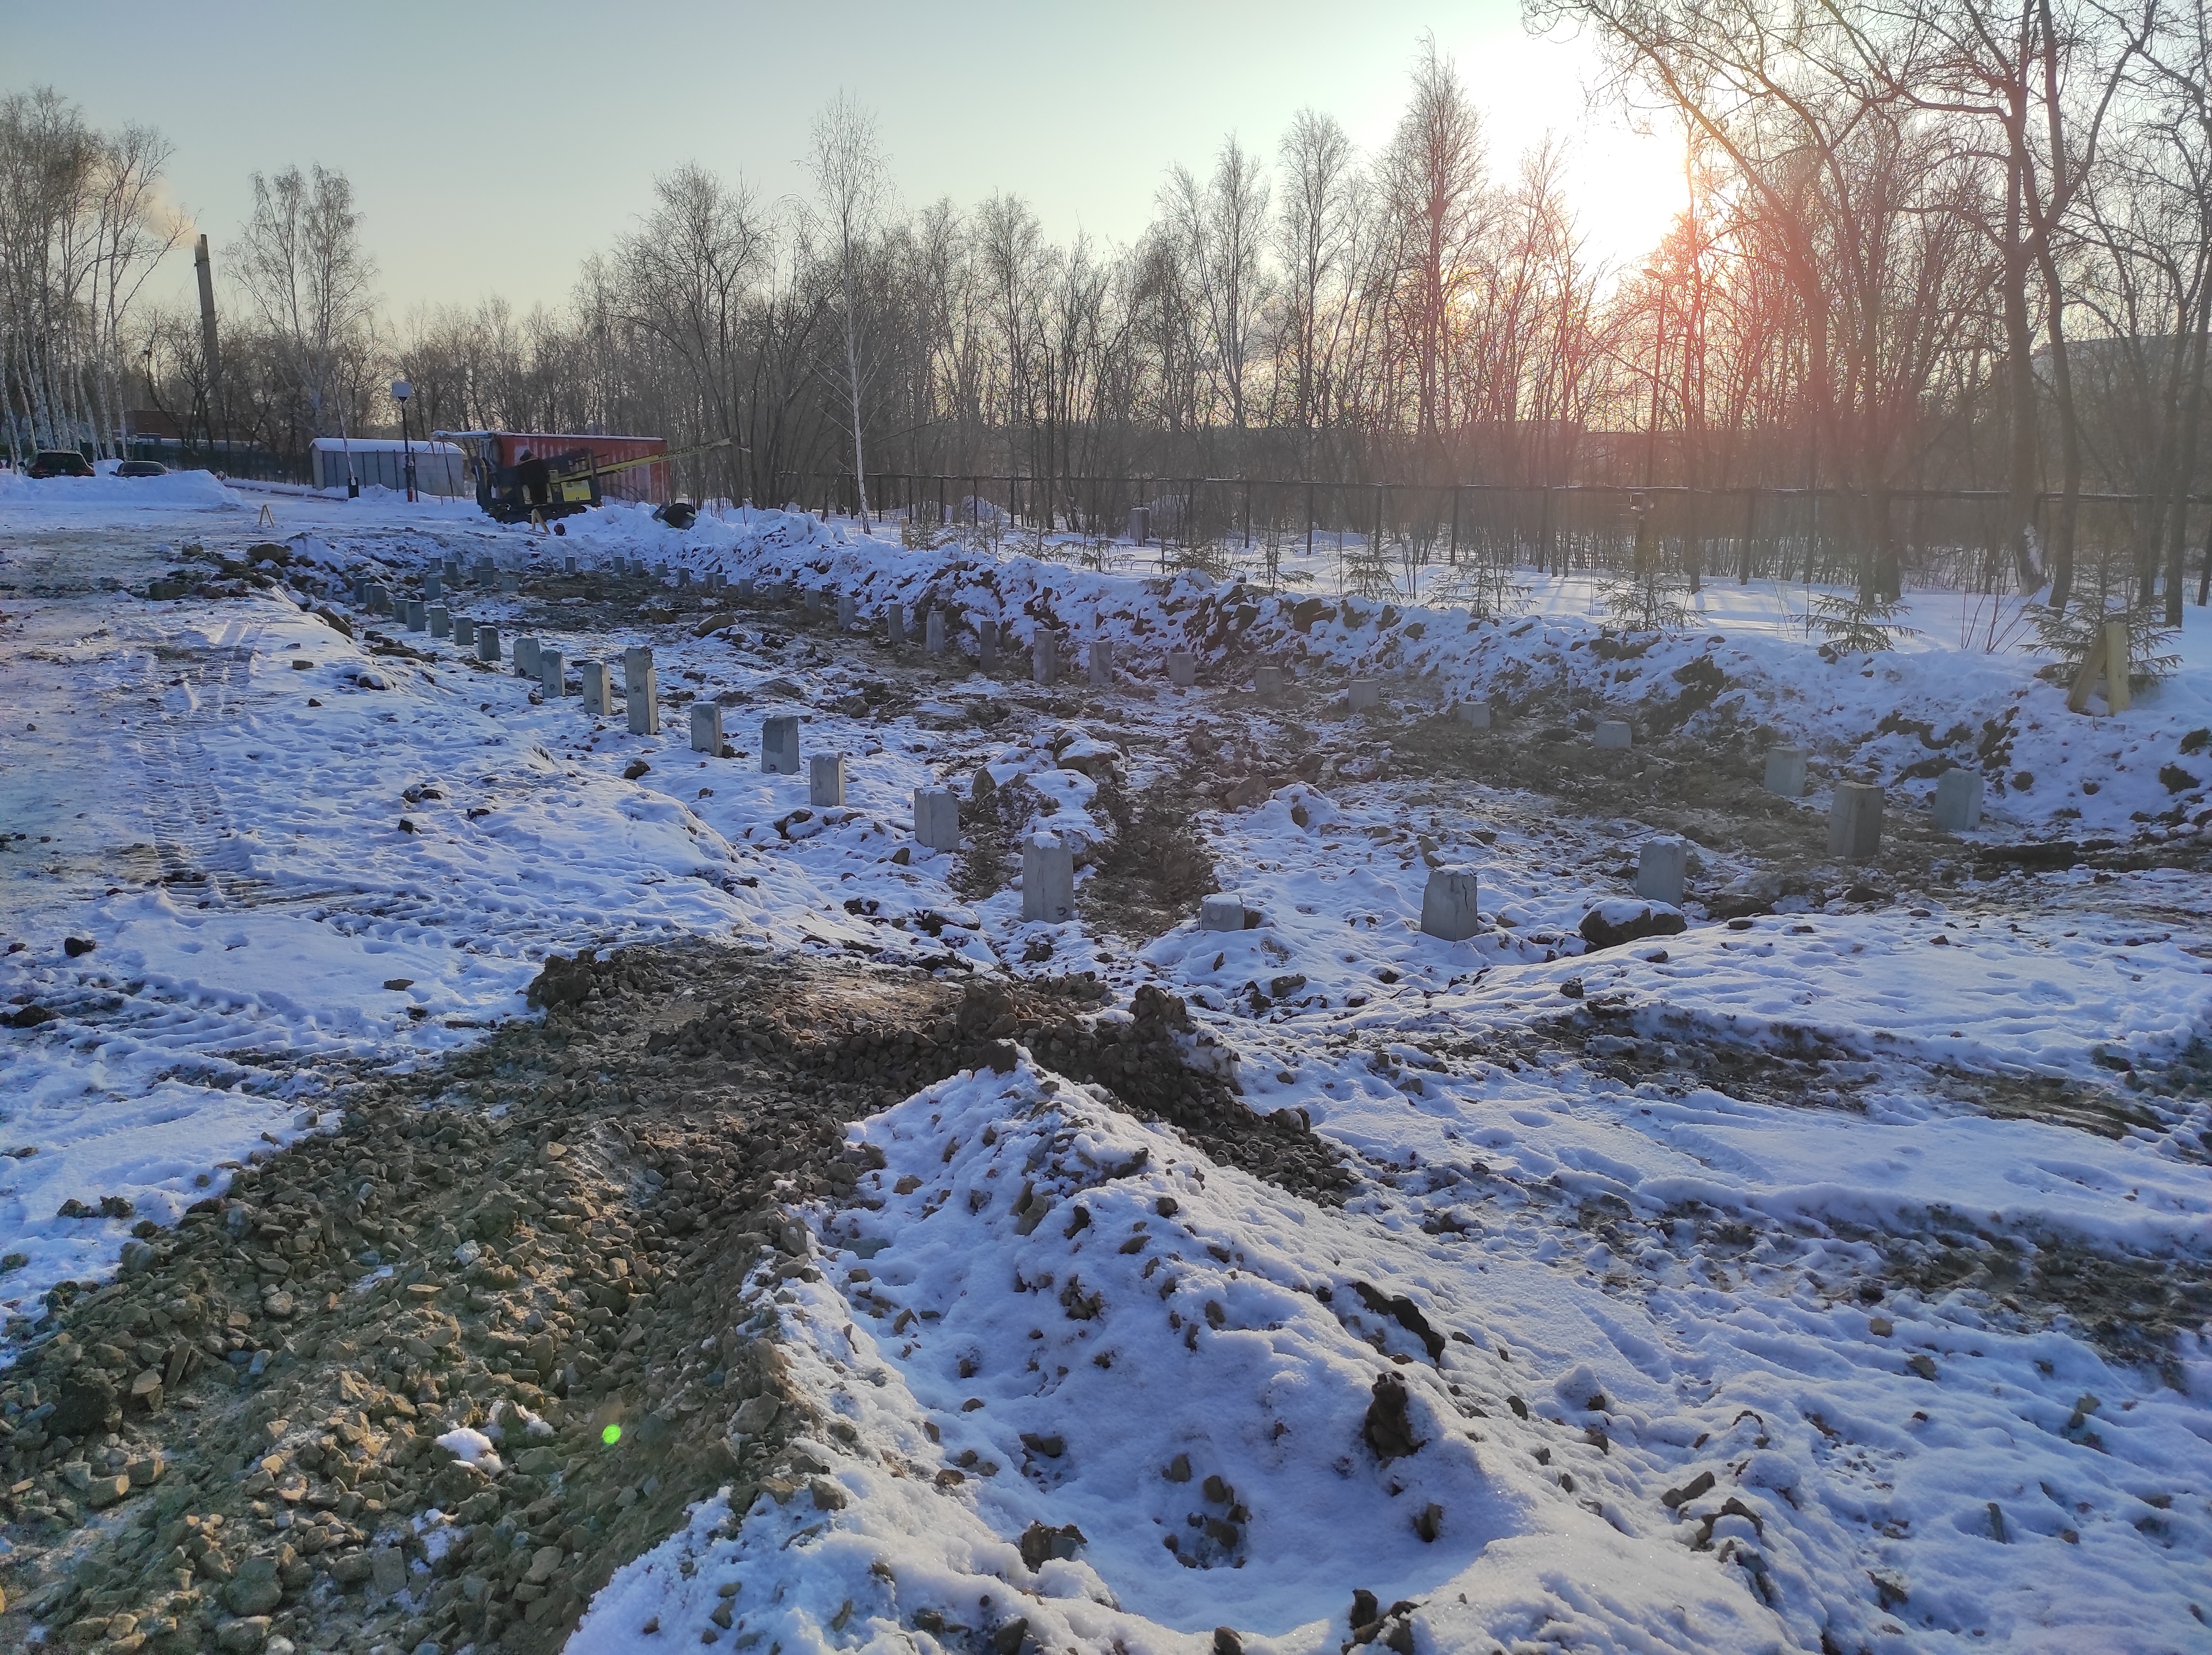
[302, 262]
[1434, 172]
[1220, 231]
[852, 177]
[1315, 233]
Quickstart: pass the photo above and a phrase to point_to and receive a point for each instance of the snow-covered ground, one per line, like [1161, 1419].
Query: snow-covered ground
[293, 855]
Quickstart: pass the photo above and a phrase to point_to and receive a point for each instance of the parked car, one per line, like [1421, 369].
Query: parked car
[58, 463]
[142, 469]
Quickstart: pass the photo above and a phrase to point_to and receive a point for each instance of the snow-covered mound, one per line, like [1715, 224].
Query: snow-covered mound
[1738, 673]
[101, 495]
[1128, 1396]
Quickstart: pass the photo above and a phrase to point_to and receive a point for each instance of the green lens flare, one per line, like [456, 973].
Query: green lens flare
[612, 1435]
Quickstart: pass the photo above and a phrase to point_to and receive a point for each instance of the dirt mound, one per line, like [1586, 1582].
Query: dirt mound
[543, 1239]
[1144, 1064]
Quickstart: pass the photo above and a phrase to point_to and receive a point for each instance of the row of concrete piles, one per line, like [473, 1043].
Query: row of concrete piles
[1047, 861]
[1449, 902]
[1663, 862]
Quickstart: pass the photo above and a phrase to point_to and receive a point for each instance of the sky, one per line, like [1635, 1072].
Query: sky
[492, 148]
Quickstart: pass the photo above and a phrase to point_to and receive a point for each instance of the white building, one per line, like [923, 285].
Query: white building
[440, 468]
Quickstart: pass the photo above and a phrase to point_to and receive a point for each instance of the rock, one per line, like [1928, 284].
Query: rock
[1041, 1542]
[457, 1482]
[254, 1589]
[1404, 1312]
[561, 981]
[136, 1257]
[1387, 1429]
[1616, 921]
[86, 1398]
[245, 1635]
[353, 1569]
[1429, 1522]
[1051, 1447]
[1226, 1642]
[1178, 1469]
[757, 1415]
[106, 1490]
[387, 1571]
[828, 1497]
[278, 1306]
[77, 946]
[543, 1562]
[541, 1461]
[634, 768]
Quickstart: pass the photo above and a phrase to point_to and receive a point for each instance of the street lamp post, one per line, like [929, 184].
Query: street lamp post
[401, 390]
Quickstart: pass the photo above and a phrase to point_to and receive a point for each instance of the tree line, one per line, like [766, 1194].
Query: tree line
[1924, 244]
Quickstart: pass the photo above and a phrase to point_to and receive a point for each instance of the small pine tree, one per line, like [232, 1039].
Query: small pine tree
[1484, 585]
[1859, 624]
[1646, 596]
[2066, 636]
[2103, 584]
[920, 529]
[1364, 570]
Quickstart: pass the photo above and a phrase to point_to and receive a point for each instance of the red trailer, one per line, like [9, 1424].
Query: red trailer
[646, 483]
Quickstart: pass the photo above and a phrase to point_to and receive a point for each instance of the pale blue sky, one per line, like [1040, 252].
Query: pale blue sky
[492, 147]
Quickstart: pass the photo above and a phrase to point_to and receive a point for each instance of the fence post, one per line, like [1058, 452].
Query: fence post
[1310, 517]
[1693, 545]
[1454, 532]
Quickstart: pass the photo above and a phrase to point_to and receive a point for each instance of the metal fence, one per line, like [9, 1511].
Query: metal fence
[232, 459]
[1400, 534]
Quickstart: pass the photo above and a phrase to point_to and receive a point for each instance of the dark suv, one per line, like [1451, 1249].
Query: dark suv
[58, 463]
[142, 469]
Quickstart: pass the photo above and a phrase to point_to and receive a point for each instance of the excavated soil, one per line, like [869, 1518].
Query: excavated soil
[544, 1237]
[1154, 868]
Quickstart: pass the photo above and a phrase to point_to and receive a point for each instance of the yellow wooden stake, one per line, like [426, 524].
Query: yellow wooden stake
[268, 517]
[2077, 698]
[2117, 666]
